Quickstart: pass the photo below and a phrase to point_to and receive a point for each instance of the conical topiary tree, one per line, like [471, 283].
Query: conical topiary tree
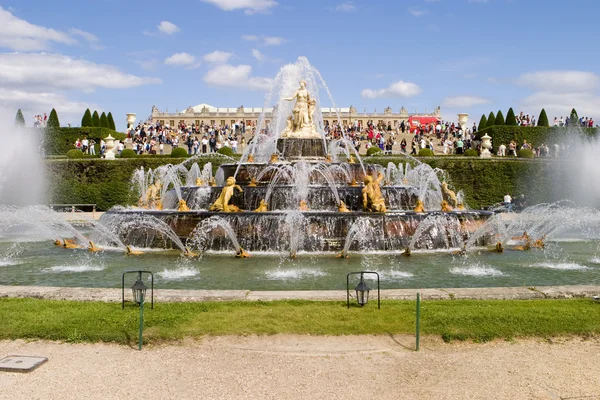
[103, 121]
[511, 120]
[573, 118]
[19, 119]
[87, 118]
[499, 118]
[111, 122]
[53, 122]
[95, 119]
[491, 121]
[482, 123]
[543, 119]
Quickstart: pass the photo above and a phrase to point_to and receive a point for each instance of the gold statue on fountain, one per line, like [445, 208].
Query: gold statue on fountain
[300, 123]
[182, 206]
[449, 196]
[222, 203]
[303, 206]
[262, 207]
[342, 207]
[373, 200]
[151, 199]
[419, 207]
[252, 182]
[199, 182]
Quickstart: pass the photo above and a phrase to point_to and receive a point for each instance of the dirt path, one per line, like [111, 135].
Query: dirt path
[299, 367]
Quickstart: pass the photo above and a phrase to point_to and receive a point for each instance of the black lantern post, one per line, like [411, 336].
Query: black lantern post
[138, 290]
[362, 289]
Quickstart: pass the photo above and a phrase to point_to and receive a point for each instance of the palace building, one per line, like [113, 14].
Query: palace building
[207, 114]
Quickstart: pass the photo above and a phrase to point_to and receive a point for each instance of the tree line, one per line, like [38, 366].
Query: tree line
[92, 120]
[511, 120]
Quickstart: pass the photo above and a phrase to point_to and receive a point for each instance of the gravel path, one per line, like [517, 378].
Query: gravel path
[299, 367]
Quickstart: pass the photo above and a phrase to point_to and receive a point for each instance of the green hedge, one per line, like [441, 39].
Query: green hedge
[103, 182]
[536, 135]
[426, 153]
[471, 153]
[373, 151]
[59, 141]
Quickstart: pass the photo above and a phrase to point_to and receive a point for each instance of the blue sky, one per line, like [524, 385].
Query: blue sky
[470, 56]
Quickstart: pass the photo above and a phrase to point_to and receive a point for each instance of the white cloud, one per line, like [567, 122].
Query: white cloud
[396, 89]
[417, 12]
[89, 37]
[464, 101]
[236, 77]
[560, 104]
[217, 57]
[249, 6]
[258, 55]
[20, 35]
[265, 40]
[180, 59]
[168, 28]
[560, 81]
[345, 7]
[47, 72]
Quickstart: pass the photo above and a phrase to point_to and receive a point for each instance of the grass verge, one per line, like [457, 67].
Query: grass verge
[475, 320]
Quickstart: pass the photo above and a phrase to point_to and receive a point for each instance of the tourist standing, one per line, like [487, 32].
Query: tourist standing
[508, 202]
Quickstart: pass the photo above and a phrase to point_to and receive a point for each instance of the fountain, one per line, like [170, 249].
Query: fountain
[296, 189]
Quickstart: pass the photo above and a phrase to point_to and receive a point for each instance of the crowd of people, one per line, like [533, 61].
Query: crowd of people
[586, 122]
[40, 121]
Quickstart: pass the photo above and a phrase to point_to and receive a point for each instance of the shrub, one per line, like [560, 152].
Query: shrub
[482, 123]
[373, 151]
[86, 120]
[128, 153]
[543, 119]
[525, 153]
[425, 153]
[510, 118]
[471, 153]
[59, 141]
[74, 153]
[179, 152]
[104, 121]
[573, 118]
[226, 151]
[96, 120]
[499, 118]
[111, 122]
[536, 135]
[19, 119]
[491, 121]
[53, 122]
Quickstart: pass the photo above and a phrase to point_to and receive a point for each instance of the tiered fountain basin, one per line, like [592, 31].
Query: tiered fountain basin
[318, 231]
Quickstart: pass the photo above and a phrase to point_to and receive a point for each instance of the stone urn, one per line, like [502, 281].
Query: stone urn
[462, 120]
[486, 145]
[130, 120]
[110, 145]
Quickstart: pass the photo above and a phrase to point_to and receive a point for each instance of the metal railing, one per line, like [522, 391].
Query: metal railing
[73, 207]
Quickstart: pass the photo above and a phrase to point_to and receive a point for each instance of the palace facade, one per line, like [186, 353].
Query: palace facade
[207, 114]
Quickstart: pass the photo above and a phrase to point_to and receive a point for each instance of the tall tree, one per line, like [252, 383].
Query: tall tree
[53, 122]
[482, 123]
[87, 118]
[111, 121]
[573, 118]
[543, 119]
[491, 121]
[500, 118]
[95, 119]
[510, 118]
[103, 120]
[19, 119]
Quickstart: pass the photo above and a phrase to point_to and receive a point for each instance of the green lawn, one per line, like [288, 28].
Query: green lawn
[450, 319]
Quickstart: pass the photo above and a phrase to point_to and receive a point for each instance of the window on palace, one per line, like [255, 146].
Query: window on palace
[222, 122]
[162, 121]
[197, 122]
[172, 122]
[212, 121]
[345, 122]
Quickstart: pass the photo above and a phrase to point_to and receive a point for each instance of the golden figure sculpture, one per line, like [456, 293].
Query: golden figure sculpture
[250, 158]
[342, 254]
[130, 252]
[372, 198]
[303, 205]
[151, 199]
[289, 126]
[342, 207]
[252, 182]
[182, 207]
[241, 253]
[274, 158]
[460, 206]
[498, 248]
[446, 207]
[353, 183]
[199, 182]
[351, 160]
[407, 252]
[212, 181]
[92, 247]
[189, 253]
[420, 207]
[302, 126]
[67, 243]
[328, 158]
[222, 203]
[262, 207]
[448, 195]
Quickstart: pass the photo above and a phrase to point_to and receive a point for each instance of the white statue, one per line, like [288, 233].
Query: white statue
[302, 125]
